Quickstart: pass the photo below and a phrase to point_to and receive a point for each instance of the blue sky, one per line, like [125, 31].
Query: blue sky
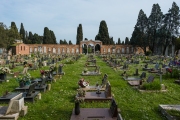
[64, 16]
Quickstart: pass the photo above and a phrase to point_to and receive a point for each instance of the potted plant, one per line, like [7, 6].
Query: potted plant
[3, 72]
[81, 92]
[24, 80]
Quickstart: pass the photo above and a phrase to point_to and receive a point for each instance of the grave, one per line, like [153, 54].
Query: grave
[3, 77]
[98, 113]
[29, 96]
[14, 109]
[92, 73]
[103, 96]
[135, 78]
[95, 87]
[42, 86]
[165, 111]
[33, 67]
[59, 71]
[136, 73]
[146, 68]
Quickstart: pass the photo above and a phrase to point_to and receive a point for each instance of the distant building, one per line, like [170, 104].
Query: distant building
[20, 48]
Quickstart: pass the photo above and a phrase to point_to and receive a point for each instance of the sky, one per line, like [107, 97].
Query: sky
[64, 16]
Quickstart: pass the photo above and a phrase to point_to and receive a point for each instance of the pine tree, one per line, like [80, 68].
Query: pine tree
[79, 36]
[154, 24]
[170, 27]
[141, 25]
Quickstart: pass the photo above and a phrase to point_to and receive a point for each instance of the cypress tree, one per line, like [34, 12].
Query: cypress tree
[30, 38]
[119, 41]
[103, 34]
[22, 33]
[126, 41]
[79, 36]
[46, 36]
[53, 37]
[70, 43]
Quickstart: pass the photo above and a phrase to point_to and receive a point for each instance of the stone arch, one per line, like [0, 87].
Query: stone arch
[88, 42]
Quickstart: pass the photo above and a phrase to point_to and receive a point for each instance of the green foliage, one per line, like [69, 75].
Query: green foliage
[175, 73]
[79, 36]
[148, 53]
[155, 85]
[126, 41]
[119, 41]
[22, 33]
[49, 36]
[103, 34]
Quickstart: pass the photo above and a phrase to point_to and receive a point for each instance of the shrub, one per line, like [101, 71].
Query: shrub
[148, 53]
[152, 86]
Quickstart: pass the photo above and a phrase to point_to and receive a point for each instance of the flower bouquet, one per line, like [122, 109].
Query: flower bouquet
[24, 80]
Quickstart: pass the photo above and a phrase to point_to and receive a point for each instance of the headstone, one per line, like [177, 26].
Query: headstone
[136, 72]
[143, 75]
[150, 79]
[31, 89]
[60, 69]
[113, 108]
[156, 66]
[15, 104]
[146, 66]
[108, 90]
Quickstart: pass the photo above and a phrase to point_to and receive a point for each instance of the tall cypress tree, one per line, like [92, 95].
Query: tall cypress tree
[103, 34]
[119, 41]
[13, 32]
[53, 37]
[79, 36]
[30, 38]
[70, 43]
[126, 41]
[46, 36]
[22, 33]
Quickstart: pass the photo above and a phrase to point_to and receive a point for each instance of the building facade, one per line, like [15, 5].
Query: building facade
[21, 48]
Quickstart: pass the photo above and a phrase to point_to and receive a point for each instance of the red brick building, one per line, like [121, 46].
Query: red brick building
[21, 48]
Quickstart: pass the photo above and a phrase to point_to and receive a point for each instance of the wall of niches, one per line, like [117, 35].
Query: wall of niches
[76, 49]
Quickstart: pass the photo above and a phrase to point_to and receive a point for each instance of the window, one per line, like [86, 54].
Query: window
[21, 47]
[24, 47]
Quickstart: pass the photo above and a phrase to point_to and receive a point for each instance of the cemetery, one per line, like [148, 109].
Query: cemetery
[124, 71]
[94, 94]
[112, 94]
[41, 81]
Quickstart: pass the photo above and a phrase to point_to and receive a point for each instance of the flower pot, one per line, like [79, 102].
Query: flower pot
[3, 76]
[77, 108]
[21, 84]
